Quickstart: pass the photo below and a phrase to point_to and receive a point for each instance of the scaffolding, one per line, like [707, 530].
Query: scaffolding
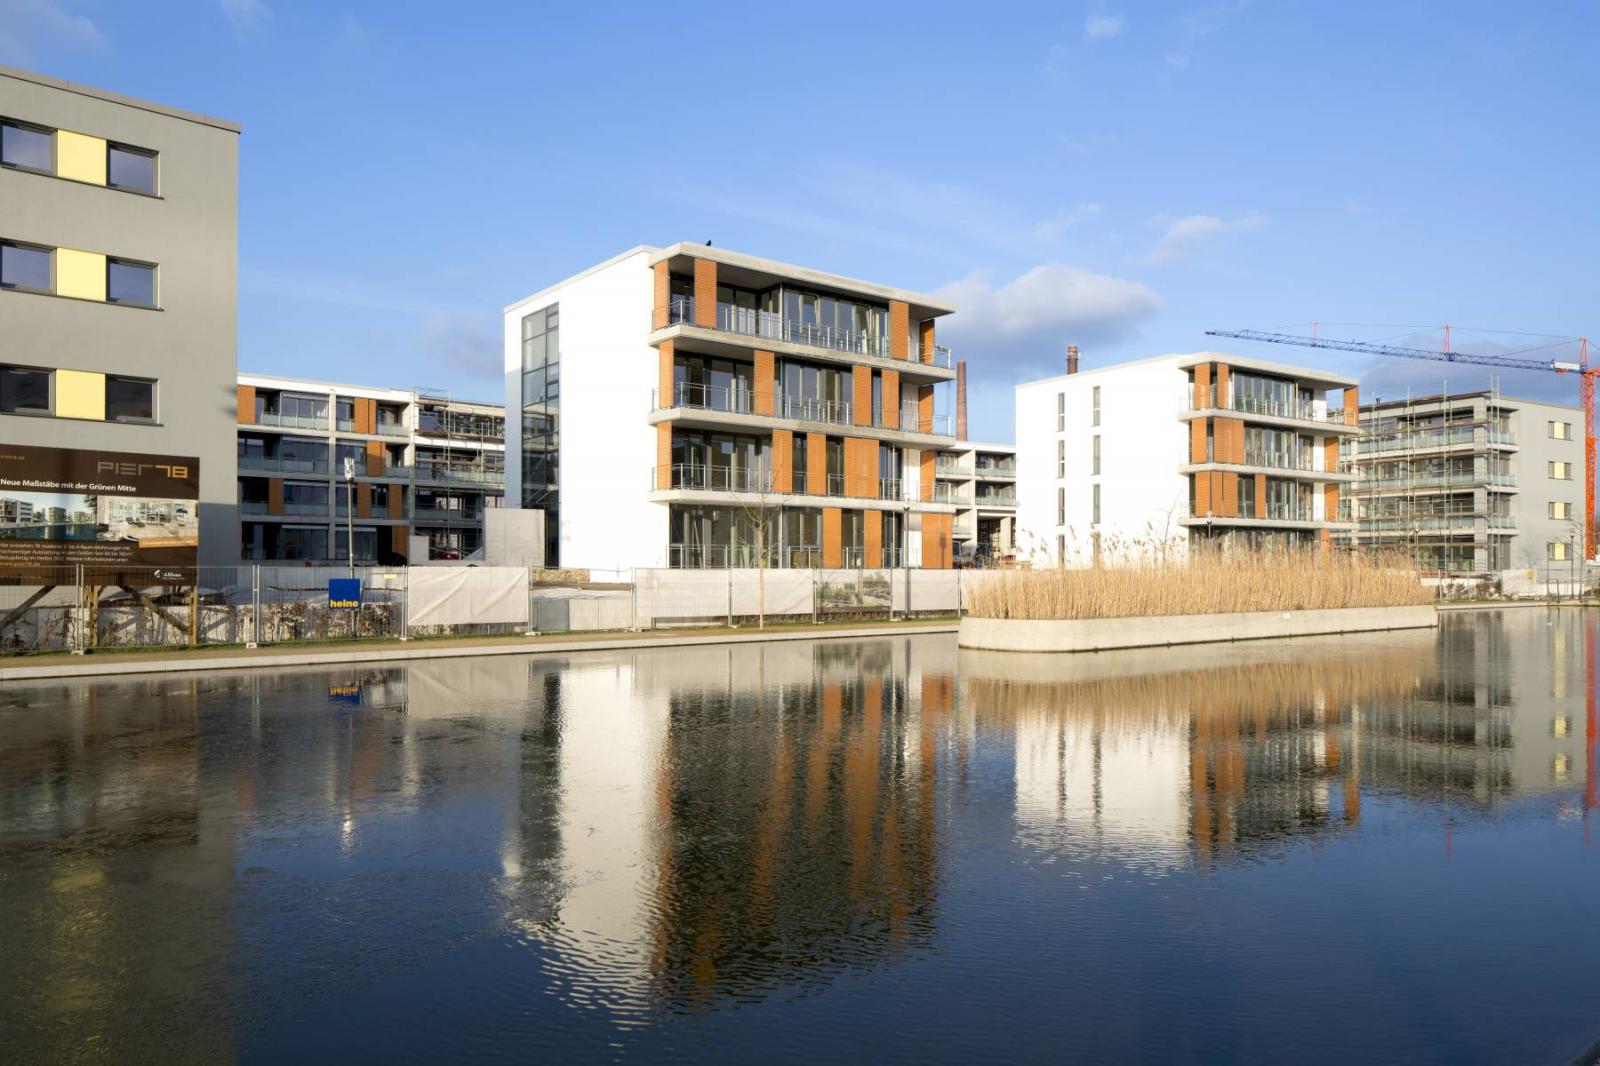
[1433, 480]
[456, 456]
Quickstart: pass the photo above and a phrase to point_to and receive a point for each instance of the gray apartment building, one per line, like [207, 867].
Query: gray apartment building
[981, 481]
[118, 290]
[1468, 483]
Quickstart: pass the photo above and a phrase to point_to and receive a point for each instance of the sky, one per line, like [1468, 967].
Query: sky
[1119, 176]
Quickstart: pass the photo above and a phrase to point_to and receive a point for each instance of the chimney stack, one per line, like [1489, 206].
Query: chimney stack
[1072, 358]
[961, 399]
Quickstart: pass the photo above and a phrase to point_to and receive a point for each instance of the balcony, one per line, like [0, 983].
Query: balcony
[282, 465]
[1300, 412]
[393, 429]
[1275, 513]
[769, 325]
[999, 499]
[1461, 482]
[456, 472]
[445, 514]
[741, 401]
[947, 494]
[702, 478]
[997, 470]
[274, 418]
[1431, 440]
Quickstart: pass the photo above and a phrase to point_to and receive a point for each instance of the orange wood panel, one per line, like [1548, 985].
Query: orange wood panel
[899, 329]
[817, 464]
[1261, 496]
[275, 495]
[1197, 440]
[766, 382]
[872, 539]
[782, 461]
[1202, 385]
[926, 340]
[861, 395]
[662, 296]
[247, 405]
[665, 393]
[832, 537]
[891, 399]
[664, 455]
[364, 500]
[705, 293]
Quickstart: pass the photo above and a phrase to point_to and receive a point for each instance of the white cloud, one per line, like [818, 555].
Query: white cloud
[1183, 236]
[245, 15]
[31, 28]
[1102, 27]
[465, 343]
[1049, 299]
[1057, 224]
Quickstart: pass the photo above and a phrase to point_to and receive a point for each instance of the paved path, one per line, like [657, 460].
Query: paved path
[278, 655]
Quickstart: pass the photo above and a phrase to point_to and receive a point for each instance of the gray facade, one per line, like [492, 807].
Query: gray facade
[1469, 483]
[187, 228]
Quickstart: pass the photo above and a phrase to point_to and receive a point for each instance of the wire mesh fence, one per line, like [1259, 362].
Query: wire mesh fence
[84, 609]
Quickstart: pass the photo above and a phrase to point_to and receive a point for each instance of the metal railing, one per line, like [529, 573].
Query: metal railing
[804, 409]
[1408, 442]
[1300, 412]
[890, 488]
[946, 494]
[474, 475]
[997, 470]
[996, 500]
[712, 397]
[770, 325]
[708, 478]
[1279, 461]
[287, 466]
[276, 418]
[393, 429]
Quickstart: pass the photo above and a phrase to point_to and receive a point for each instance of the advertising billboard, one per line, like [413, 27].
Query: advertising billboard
[61, 506]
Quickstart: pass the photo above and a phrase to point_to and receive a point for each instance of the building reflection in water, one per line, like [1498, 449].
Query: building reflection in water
[1163, 757]
[666, 831]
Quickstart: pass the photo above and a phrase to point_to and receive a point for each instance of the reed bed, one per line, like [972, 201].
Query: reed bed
[1204, 583]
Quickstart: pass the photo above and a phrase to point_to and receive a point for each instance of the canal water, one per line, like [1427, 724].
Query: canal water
[1362, 849]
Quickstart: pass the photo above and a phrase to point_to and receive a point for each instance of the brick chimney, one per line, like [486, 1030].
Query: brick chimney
[1072, 358]
[961, 399]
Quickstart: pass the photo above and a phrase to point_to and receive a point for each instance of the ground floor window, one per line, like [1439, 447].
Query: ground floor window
[701, 536]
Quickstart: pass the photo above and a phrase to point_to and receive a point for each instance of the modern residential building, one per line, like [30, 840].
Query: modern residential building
[1468, 483]
[1179, 450]
[425, 465]
[981, 481]
[118, 282]
[675, 400]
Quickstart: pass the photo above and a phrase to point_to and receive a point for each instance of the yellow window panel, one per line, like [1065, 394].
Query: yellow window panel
[80, 274]
[80, 394]
[80, 157]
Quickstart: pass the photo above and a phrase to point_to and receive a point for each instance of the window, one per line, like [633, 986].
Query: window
[24, 266]
[1094, 407]
[1061, 548]
[26, 147]
[1095, 457]
[1561, 430]
[24, 391]
[128, 282]
[1095, 505]
[130, 399]
[1061, 412]
[1560, 509]
[130, 168]
[1061, 459]
[1558, 551]
[1560, 471]
[1061, 507]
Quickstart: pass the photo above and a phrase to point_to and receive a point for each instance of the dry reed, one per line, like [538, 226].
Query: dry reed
[1205, 583]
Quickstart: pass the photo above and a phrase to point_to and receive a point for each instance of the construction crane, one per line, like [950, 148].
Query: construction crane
[1585, 373]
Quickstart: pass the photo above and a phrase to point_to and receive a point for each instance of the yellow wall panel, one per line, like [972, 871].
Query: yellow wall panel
[80, 274]
[80, 157]
[80, 394]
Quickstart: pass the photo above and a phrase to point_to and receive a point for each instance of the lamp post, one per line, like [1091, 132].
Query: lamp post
[350, 531]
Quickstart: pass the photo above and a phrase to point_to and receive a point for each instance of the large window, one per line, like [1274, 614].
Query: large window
[716, 384]
[541, 392]
[721, 462]
[24, 266]
[814, 393]
[1268, 396]
[130, 399]
[24, 391]
[130, 168]
[128, 282]
[27, 147]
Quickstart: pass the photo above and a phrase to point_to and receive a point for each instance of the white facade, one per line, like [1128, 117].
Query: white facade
[1107, 459]
[608, 374]
[980, 479]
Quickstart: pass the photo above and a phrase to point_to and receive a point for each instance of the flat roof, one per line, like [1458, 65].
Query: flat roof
[1450, 397]
[117, 98]
[1182, 361]
[930, 306]
[418, 395]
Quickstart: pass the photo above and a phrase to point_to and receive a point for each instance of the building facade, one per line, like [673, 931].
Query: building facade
[424, 465]
[1176, 451]
[687, 406]
[980, 480]
[118, 282]
[1468, 483]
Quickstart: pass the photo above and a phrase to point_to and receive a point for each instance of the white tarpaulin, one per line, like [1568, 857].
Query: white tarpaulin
[466, 595]
[787, 592]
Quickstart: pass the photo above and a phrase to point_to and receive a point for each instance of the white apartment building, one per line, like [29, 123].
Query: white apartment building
[672, 402]
[1176, 450]
[981, 481]
[426, 465]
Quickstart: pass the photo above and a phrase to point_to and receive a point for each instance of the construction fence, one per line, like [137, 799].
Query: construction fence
[84, 608]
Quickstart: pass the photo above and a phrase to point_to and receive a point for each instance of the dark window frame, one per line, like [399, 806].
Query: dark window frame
[155, 409]
[154, 268]
[50, 390]
[146, 153]
[30, 127]
[49, 253]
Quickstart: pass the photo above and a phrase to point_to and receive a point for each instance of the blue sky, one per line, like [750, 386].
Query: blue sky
[1125, 176]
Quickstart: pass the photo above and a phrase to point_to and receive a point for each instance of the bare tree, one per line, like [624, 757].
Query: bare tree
[757, 504]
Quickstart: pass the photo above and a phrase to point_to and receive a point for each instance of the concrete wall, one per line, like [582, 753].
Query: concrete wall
[1536, 489]
[191, 232]
[607, 446]
[1102, 633]
[1143, 443]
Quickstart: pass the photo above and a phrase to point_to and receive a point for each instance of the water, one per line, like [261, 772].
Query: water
[1366, 849]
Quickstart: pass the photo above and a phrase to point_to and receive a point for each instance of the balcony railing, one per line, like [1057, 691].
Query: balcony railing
[474, 475]
[287, 466]
[713, 478]
[803, 409]
[393, 429]
[252, 506]
[997, 470]
[769, 325]
[1408, 442]
[306, 508]
[996, 500]
[275, 418]
[946, 494]
[889, 488]
[1275, 513]
[1302, 412]
[723, 556]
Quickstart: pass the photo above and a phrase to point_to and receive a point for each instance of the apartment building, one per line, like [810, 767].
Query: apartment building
[1180, 450]
[674, 402]
[981, 481]
[118, 294]
[1468, 483]
[425, 466]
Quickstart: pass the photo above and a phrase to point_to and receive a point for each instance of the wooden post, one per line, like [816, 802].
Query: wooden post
[194, 611]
